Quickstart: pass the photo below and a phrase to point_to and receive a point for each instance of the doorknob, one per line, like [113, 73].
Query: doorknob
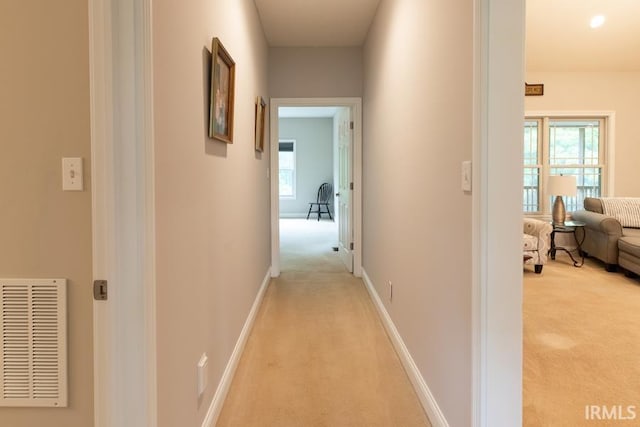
[337, 194]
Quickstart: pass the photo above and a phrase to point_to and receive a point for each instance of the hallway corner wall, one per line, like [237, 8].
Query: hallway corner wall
[45, 232]
[417, 222]
[212, 198]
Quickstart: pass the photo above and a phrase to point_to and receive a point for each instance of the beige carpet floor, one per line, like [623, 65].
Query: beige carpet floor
[581, 344]
[318, 354]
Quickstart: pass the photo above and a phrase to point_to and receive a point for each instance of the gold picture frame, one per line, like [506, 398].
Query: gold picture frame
[223, 76]
[261, 108]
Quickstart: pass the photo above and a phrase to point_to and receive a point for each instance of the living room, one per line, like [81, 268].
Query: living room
[580, 321]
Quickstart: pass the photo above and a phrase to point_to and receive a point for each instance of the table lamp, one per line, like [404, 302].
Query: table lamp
[560, 185]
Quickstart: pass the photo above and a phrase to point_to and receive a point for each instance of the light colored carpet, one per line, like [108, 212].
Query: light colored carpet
[318, 354]
[581, 344]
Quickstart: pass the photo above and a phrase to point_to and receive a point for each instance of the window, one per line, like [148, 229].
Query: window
[287, 172]
[532, 167]
[563, 146]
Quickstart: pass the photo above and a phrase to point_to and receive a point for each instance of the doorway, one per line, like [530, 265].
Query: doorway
[339, 165]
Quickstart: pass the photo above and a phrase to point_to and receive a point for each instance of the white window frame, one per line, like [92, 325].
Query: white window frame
[294, 178]
[608, 148]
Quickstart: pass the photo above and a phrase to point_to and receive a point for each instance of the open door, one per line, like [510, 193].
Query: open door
[345, 187]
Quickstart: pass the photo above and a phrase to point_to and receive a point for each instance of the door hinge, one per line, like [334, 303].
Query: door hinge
[351, 186]
[351, 246]
[351, 125]
[100, 290]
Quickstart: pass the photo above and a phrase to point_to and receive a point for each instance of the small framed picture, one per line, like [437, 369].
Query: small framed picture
[223, 73]
[533, 89]
[261, 108]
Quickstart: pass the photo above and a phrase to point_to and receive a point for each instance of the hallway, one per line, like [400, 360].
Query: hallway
[318, 354]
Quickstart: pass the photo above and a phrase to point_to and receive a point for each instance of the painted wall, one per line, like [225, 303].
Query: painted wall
[417, 221]
[314, 161]
[45, 232]
[212, 198]
[604, 91]
[315, 72]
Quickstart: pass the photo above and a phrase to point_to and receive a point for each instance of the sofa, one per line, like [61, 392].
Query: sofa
[536, 240]
[612, 231]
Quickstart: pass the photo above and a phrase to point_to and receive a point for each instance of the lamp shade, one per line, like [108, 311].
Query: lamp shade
[562, 185]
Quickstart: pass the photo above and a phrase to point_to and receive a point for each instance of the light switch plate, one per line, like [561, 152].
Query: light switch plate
[72, 174]
[466, 175]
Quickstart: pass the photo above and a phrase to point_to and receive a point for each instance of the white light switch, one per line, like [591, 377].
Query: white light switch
[466, 176]
[72, 174]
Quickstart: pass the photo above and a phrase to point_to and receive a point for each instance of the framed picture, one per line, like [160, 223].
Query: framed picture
[533, 89]
[261, 108]
[223, 73]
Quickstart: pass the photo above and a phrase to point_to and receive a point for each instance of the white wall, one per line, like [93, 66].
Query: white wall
[314, 160]
[212, 199]
[603, 91]
[315, 72]
[45, 232]
[417, 221]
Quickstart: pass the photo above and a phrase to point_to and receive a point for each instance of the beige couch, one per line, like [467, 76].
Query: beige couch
[603, 234]
[536, 240]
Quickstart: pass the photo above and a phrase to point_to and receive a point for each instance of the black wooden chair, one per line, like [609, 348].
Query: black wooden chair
[325, 192]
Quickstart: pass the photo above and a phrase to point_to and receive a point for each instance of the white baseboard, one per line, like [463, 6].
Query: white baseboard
[427, 400]
[225, 382]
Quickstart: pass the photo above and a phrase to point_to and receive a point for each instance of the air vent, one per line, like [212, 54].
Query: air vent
[33, 353]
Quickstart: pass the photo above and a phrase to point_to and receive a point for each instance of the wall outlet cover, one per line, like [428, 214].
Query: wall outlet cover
[72, 174]
[466, 175]
[202, 374]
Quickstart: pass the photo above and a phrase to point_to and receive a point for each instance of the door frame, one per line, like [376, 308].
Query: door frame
[123, 212]
[355, 104]
[498, 118]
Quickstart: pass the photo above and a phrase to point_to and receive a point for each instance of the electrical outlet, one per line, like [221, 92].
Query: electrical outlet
[202, 374]
[390, 290]
[466, 176]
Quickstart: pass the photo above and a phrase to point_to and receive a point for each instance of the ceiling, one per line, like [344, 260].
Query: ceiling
[559, 37]
[314, 23]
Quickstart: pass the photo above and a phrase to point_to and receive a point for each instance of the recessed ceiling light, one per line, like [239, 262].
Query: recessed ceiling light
[597, 21]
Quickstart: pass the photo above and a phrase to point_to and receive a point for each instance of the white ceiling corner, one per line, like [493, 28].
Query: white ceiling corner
[559, 37]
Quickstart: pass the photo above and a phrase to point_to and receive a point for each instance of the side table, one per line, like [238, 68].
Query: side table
[570, 227]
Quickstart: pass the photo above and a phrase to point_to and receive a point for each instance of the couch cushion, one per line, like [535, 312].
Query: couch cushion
[624, 209]
[630, 245]
[529, 242]
[633, 232]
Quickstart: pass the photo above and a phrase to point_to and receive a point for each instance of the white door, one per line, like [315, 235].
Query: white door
[345, 150]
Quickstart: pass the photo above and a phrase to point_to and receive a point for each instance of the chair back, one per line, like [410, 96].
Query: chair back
[325, 192]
